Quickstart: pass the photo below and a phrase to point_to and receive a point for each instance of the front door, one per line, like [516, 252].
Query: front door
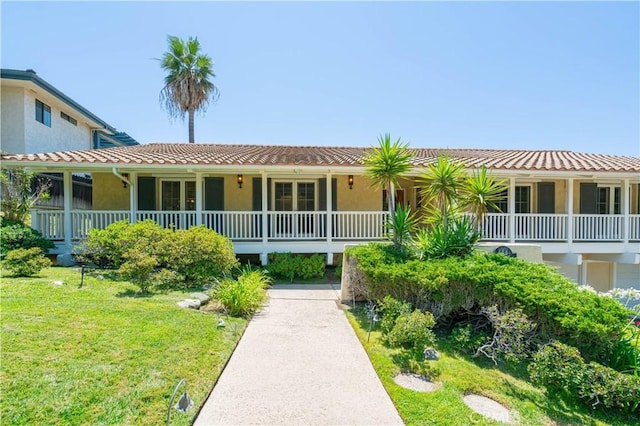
[177, 196]
[290, 197]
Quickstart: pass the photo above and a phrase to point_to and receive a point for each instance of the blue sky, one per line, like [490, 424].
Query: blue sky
[507, 75]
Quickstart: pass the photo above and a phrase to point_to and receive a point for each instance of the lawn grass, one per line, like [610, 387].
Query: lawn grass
[103, 354]
[460, 376]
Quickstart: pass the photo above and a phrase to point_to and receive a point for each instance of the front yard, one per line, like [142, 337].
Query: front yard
[102, 354]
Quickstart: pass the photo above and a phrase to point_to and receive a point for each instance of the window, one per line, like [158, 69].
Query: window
[43, 113]
[523, 199]
[608, 200]
[178, 195]
[502, 204]
[68, 118]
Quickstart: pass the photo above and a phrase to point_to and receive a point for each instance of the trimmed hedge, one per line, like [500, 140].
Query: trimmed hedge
[561, 310]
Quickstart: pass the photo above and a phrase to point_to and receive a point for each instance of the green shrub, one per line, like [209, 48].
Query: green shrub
[26, 262]
[139, 268]
[412, 331]
[560, 309]
[561, 369]
[165, 279]
[458, 239]
[15, 235]
[467, 339]
[244, 295]
[198, 254]
[391, 309]
[289, 266]
[512, 338]
[625, 356]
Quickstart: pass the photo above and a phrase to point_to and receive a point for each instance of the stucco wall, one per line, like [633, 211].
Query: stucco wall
[61, 136]
[363, 197]
[12, 120]
[108, 192]
[238, 199]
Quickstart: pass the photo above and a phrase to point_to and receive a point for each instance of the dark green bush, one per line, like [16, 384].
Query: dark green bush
[391, 309]
[289, 266]
[561, 369]
[26, 262]
[15, 235]
[244, 295]
[412, 331]
[198, 254]
[512, 338]
[561, 310]
[138, 268]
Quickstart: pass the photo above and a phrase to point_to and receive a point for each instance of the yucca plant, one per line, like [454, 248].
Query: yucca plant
[401, 225]
[481, 191]
[457, 240]
[384, 166]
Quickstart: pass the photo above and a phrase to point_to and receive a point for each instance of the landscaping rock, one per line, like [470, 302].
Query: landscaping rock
[431, 354]
[202, 297]
[488, 408]
[65, 260]
[189, 303]
[416, 382]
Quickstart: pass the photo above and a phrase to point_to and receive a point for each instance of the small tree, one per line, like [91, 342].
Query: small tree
[481, 191]
[21, 190]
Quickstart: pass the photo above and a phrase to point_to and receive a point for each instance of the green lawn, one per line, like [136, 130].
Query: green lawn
[461, 376]
[102, 354]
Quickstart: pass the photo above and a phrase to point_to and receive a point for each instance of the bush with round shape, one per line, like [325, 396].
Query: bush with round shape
[412, 331]
[26, 262]
[15, 235]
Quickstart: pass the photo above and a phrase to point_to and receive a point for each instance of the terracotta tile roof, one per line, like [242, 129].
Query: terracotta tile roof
[272, 155]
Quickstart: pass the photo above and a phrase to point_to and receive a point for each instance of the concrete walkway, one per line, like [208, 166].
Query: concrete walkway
[299, 363]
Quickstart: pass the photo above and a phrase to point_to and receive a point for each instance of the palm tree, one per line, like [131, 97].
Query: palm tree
[441, 185]
[187, 86]
[481, 191]
[385, 164]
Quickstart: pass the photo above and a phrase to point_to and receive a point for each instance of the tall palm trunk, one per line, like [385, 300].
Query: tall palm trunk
[191, 130]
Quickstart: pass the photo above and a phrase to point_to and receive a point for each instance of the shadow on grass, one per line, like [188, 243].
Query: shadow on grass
[135, 294]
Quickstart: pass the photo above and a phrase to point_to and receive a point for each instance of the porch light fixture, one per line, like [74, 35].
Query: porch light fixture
[350, 180]
[124, 182]
[240, 180]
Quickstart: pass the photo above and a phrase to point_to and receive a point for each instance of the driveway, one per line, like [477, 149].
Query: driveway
[299, 363]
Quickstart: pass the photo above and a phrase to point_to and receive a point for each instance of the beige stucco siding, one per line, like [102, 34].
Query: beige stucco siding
[561, 196]
[108, 193]
[238, 199]
[363, 197]
[635, 203]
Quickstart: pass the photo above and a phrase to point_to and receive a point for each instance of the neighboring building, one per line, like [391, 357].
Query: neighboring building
[36, 117]
[583, 209]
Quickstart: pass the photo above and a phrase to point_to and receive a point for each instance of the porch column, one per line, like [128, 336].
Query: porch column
[198, 198]
[569, 204]
[133, 197]
[626, 203]
[67, 185]
[329, 218]
[264, 256]
[512, 210]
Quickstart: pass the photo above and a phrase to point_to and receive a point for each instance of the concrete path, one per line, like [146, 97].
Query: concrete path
[299, 363]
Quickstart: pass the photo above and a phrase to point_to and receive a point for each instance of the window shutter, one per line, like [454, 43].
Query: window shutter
[546, 197]
[588, 198]
[322, 194]
[257, 194]
[146, 193]
[214, 193]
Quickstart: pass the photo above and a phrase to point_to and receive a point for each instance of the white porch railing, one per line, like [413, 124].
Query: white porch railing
[634, 227]
[349, 226]
[84, 220]
[239, 226]
[495, 226]
[297, 225]
[359, 225]
[597, 227]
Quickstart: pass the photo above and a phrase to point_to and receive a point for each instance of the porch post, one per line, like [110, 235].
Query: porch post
[512, 210]
[569, 204]
[67, 184]
[626, 203]
[329, 219]
[264, 256]
[198, 198]
[133, 196]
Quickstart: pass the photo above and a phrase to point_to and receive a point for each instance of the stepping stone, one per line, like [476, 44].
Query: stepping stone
[488, 408]
[189, 303]
[202, 297]
[416, 382]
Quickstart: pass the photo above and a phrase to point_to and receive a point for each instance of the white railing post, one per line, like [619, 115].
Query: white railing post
[512, 210]
[35, 220]
[626, 200]
[569, 204]
[68, 205]
[199, 198]
[329, 218]
[264, 256]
